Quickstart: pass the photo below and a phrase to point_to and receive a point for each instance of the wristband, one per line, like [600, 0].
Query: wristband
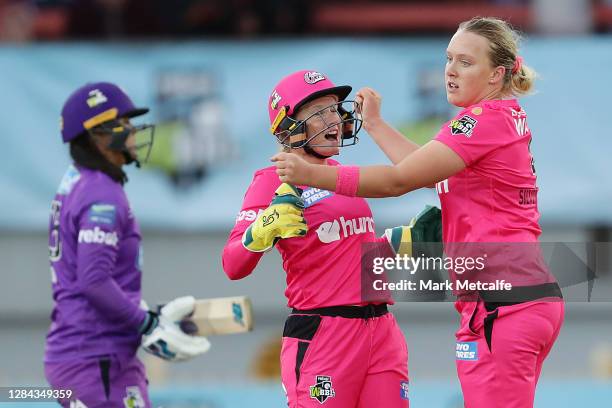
[149, 323]
[347, 180]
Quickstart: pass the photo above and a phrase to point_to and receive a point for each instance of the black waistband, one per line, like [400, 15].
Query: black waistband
[350, 312]
[520, 294]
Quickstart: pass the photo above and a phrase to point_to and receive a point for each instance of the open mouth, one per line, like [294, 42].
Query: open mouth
[332, 135]
[451, 85]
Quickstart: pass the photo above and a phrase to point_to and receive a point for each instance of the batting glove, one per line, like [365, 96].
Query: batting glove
[284, 218]
[423, 229]
[166, 340]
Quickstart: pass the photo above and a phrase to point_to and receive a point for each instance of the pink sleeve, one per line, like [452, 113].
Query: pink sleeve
[238, 262]
[474, 133]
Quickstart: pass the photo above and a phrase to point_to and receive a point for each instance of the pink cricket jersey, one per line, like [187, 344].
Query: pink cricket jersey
[494, 199]
[324, 267]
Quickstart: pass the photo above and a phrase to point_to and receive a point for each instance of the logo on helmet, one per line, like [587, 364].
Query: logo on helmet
[275, 99]
[313, 77]
[95, 98]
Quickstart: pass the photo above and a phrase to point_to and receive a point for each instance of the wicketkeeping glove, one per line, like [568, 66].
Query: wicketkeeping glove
[284, 218]
[166, 340]
[420, 236]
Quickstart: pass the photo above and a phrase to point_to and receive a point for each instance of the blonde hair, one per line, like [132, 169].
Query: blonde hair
[504, 46]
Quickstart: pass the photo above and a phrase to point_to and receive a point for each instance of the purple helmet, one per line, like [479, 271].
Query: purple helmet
[94, 104]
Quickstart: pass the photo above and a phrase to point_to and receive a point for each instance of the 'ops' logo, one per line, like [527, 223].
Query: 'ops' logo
[323, 389]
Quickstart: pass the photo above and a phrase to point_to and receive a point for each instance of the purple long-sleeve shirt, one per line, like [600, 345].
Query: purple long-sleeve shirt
[94, 246]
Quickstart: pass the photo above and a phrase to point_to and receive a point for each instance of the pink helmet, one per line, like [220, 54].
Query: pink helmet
[295, 90]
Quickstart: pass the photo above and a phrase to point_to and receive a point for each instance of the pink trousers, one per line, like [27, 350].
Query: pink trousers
[340, 362]
[500, 351]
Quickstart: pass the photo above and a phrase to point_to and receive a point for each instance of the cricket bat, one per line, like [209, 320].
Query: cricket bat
[226, 315]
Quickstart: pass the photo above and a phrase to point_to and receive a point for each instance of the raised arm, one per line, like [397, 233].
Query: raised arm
[428, 165]
[394, 144]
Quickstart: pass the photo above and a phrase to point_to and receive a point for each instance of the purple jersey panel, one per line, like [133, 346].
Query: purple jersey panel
[94, 247]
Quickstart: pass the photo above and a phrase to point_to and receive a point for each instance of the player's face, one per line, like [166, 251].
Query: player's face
[324, 121]
[103, 140]
[130, 142]
[116, 157]
[469, 74]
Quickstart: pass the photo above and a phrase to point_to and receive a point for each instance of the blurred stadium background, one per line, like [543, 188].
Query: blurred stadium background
[206, 68]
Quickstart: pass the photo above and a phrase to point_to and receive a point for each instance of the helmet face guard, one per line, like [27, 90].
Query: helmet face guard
[137, 153]
[293, 133]
[338, 122]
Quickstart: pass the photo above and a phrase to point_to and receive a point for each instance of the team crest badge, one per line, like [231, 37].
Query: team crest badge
[323, 389]
[463, 126]
[312, 77]
[274, 100]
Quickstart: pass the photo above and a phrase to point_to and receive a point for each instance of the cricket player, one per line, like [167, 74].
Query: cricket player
[337, 349]
[484, 174]
[96, 260]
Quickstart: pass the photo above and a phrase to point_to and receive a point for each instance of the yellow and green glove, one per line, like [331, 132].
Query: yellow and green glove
[284, 218]
[420, 236]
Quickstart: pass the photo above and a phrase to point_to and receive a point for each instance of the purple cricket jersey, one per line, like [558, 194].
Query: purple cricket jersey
[94, 247]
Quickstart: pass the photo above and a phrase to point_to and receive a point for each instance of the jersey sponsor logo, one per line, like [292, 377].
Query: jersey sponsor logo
[322, 389]
[133, 398]
[465, 125]
[249, 215]
[442, 186]
[98, 236]
[312, 77]
[467, 351]
[404, 390]
[312, 196]
[331, 231]
[95, 97]
[275, 99]
[70, 178]
[102, 213]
